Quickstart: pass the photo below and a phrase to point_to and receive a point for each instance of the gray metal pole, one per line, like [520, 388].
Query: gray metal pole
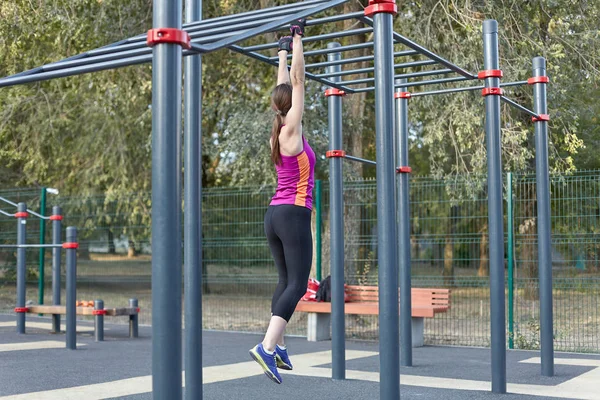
[99, 321]
[543, 219]
[56, 259]
[389, 335]
[336, 207]
[133, 319]
[193, 216]
[21, 267]
[166, 222]
[403, 222]
[495, 211]
[71, 260]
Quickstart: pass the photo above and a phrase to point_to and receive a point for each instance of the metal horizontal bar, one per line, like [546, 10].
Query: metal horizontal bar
[465, 89]
[7, 214]
[8, 202]
[325, 36]
[357, 59]
[340, 49]
[409, 43]
[30, 246]
[360, 160]
[518, 106]
[372, 69]
[275, 24]
[416, 83]
[267, 60]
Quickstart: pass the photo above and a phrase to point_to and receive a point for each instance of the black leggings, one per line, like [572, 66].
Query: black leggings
[288, 232]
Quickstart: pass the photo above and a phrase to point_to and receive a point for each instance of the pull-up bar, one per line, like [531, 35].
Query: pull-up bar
[371, 70]
[16, 205]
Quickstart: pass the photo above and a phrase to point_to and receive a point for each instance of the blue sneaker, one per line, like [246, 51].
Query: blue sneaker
[266, 361]
[282, 358]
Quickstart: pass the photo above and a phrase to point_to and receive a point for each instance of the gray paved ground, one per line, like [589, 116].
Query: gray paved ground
[120, 357]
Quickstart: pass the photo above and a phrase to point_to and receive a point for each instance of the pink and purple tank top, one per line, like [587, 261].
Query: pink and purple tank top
[296, 178]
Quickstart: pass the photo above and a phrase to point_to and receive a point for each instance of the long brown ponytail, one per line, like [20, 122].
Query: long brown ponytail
[281, 102]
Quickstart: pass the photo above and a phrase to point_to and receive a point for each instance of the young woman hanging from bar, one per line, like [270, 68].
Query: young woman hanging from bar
[288, 217]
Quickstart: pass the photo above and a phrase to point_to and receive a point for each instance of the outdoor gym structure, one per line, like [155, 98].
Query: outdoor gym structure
[170, 42]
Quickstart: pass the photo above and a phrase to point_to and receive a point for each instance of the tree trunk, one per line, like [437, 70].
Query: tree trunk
[131, 250]
[484, 265]
[111, 242]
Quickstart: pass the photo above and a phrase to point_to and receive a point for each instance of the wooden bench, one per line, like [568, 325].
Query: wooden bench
[364, 300]
[132, 312]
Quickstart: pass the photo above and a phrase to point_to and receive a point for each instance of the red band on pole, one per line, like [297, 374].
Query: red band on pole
[538, 79]
[21, 310]
[335, 153]
[70, 245]
[495, 91]
[56, 218]
[334, 92]
[381, 6]
[21, 215]
[490, 73]
[99, 312]
[168, 35]
[138, 310]
[403, 170]
[541, 117]
[402, 95]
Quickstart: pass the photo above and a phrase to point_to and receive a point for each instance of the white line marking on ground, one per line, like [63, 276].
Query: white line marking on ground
[45, 344]
[48, 326]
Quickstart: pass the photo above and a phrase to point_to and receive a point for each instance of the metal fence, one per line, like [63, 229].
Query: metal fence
[449, 248]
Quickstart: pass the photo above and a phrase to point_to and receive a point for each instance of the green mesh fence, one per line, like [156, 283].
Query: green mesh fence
[449, 249]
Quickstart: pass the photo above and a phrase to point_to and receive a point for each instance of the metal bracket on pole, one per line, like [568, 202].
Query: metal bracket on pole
[402, 95]
[540, 118]
[169, 35]
[381, 6]
[404, 170]
[335, 153]
[334, 92]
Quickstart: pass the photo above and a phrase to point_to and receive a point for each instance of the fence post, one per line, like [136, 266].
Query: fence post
[511, 248]
[42, 249]
[318, 224]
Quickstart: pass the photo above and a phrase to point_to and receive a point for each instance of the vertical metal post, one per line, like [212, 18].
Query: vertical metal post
[318, 225]
[403, 223]
[56, 260]
[542, 178]
[166, 222]
[71, 259]
[42, 250]
[389, 335]
[495, 211]
[511, 249]
[336, 215]
[133, 319]
[99, 321]
[21, 267]
[193, 215]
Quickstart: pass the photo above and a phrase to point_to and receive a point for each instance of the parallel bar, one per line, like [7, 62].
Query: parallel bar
[313, 77]
[389, 335]
[422, 50]
[272, 25]
[403, 226]
[8, 202]
[358, 59]
[30, 246]
[495, 211]
[193, 216]
[56, 261]
[166, 206]
[542, 181]
[317, 38]
[28, 211]
[412, 75]
[360, 160]
[71, 308]
[465, 89]
[336, 207]
[518, 106]
[322, 52]
[21, 268]
[371, 69]
[6, 214]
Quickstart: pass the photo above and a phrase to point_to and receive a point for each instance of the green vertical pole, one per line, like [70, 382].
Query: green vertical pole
[511, 247]
[318, 201]
[42, 241]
